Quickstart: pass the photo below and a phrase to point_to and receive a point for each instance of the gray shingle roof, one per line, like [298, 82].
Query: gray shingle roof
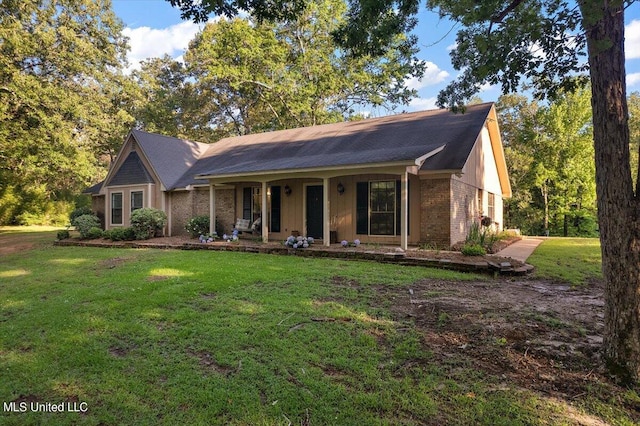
[170, 157]
[94, 190]
[397, 138]
[403, 137]
[131, 172]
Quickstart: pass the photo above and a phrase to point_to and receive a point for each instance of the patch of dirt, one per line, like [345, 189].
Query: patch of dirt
[14, 247]
[118, 351]
[112, 263]
[207, 362]
[533, 334]
[208, 296]
[27, 399]
[154, 278]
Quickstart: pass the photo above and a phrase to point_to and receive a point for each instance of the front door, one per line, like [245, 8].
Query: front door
[315, 218]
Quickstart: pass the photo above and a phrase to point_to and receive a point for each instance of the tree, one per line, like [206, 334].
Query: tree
[545, 41]
[549, 154]
[56, 61]
[170, 106]
[251, 76]
[634, 130]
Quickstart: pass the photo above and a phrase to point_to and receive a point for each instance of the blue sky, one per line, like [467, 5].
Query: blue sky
[155, 28]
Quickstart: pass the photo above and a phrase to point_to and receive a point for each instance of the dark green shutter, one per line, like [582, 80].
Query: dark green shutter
[246, 203]
[275, 208]
[362, 208]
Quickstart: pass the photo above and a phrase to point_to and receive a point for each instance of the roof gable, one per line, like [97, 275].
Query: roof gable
[131, 172]
[169, 157]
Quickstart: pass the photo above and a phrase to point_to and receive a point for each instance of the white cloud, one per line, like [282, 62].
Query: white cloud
[432, 75]
[148, 42]
[420, 104]
[633, 79]
[632, 40]
[452, 46]
[487, 87]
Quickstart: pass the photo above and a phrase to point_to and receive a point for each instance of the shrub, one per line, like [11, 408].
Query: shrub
[63, 234]
[197, 226]
[84, 223]
[298, 242]
[120, 234]
[94, 233]
[147, 222]
[471, 249]
[79, 212]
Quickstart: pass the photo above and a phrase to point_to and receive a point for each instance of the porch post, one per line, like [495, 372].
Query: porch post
[264, 215]
[404, 210]
[326, 211]
[212, 209]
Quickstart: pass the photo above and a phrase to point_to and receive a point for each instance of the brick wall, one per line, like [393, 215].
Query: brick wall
[225, 209]
[188, 204]
[181, 211]
[464, 209]
[435, 202]
[200, 202]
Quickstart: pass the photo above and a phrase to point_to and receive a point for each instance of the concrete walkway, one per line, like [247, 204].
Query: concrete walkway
[521, 250]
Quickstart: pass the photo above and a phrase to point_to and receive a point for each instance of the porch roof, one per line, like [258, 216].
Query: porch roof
[402, 138]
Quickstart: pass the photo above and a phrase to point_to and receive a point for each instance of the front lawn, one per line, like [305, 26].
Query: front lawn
[199, 337]
[573, 260]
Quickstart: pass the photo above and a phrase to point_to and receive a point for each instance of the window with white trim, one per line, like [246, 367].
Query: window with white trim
[491, 206]
[137, 200]
[116, 208]
[382, 204]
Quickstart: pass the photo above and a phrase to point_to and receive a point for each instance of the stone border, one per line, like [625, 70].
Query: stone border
[502, 268]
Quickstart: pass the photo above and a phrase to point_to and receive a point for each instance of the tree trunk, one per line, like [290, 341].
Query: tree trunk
[545, 196]
[618, 206]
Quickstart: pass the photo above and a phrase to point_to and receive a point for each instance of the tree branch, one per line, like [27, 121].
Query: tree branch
[497, 19]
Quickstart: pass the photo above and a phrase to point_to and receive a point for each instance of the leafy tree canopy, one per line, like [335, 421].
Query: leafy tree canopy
[549, 153]
[242, 76]
[59, 61]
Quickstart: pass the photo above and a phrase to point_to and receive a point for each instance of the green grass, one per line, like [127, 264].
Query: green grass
[198, 337]
[572, 260]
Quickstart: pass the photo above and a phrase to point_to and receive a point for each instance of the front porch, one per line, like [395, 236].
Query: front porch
[376, 206]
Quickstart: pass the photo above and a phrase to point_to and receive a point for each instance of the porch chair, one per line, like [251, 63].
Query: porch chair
[245, 225]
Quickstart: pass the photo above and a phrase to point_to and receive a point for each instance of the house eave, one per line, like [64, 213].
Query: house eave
[320, 172]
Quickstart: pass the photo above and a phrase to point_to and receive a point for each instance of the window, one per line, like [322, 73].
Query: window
[257, 202]
[480, 206]
[116, 208]
[251, 203]
[382, 202]
[136, 200]
[491, 206]
[378, 207]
